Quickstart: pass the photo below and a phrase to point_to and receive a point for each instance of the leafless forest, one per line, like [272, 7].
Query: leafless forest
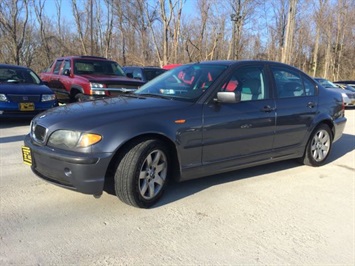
[317, 36]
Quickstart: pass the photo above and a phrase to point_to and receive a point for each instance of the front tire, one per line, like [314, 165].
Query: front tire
[318, 147]
[142, 173]
[79, 97]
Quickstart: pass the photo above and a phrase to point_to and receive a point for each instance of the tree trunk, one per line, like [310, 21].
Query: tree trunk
[290, 31]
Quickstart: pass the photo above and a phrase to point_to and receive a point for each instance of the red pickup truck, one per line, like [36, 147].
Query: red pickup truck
[82, 78]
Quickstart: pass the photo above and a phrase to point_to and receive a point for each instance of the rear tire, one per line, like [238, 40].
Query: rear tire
[318, 147]
[142, 173]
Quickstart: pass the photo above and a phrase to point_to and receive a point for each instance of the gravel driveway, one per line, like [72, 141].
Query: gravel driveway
[282, 213]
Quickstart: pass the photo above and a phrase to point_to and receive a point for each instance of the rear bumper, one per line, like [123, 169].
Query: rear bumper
[84, 173]
[339, 126]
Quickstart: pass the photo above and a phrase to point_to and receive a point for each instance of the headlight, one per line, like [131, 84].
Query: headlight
[48, 97]
[3, 98]
[72, 139]
[96, 85]
[96, 89]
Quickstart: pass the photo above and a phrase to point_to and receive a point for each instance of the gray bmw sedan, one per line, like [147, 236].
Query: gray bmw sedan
[195, 120]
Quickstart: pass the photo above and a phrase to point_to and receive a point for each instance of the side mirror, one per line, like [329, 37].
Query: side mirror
[66, 72]
[228, 97]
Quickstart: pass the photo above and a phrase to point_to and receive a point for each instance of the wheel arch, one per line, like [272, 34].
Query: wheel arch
[326, 121]
[306, 157]
[330, 125]
[174, 170]
[75, 90]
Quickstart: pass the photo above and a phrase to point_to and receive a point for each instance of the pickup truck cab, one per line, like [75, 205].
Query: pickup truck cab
[83, 78]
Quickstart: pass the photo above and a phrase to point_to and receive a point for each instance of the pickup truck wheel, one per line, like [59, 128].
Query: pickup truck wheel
[142, 173]
[79, 97]
[318, 147]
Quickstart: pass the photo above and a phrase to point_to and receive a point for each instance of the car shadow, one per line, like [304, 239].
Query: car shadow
[14, 122]
[341, 147]
[12, 139]
[177, 191]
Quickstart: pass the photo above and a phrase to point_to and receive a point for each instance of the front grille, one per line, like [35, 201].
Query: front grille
[120, 86]
[23, 98]
[39, 133]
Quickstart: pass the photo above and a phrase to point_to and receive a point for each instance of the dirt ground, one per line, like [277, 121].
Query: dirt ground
[282, 213]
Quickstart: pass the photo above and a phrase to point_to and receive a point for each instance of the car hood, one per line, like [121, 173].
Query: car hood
[107, 79]
[86, 116]
[23, 88]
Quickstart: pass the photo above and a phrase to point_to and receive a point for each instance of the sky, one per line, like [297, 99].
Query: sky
[50, 7]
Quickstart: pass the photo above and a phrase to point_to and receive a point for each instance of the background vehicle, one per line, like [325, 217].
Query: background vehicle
[349, 90]
[348, 94]
[143, 73]
[22, 93]
[171, 66]
[82, 78]
[350, 83]
[192, 121]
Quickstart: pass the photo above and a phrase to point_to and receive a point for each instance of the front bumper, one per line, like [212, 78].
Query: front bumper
[11, 110]
[84, 173]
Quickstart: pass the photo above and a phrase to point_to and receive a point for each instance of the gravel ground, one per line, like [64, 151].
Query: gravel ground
[282, 213]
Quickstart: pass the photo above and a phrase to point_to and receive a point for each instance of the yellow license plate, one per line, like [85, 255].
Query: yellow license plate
[26, 155]
[27, 107]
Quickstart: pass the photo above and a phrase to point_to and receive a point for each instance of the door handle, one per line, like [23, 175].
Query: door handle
[311, 104]
[268, 109]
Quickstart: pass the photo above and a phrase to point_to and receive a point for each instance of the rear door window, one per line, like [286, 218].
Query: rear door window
[290, 83]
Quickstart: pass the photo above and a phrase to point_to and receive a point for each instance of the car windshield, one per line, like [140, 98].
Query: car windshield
[186, 82]
[18, 75]
[97, 67]
[326, 83]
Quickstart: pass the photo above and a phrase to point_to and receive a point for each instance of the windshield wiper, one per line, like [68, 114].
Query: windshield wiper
[161, 96]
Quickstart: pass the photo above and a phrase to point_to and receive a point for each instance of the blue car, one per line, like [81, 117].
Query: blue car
[22, 93]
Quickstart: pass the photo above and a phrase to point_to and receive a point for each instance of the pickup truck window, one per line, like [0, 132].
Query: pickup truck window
[97, 67]
[66, 65]
[57, 67]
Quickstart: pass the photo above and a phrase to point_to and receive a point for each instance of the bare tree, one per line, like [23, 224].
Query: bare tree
[276, 27]
[342, 20]
[40, 14]
[290, 32]
[319, 21]
[14, 15]
[82, 22]
[242, 11]
[320, 39]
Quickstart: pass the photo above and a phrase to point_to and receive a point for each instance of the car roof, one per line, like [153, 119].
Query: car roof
[345, 81]
[13, 66]
[84, 57]
[233, 62]
[143, 67]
